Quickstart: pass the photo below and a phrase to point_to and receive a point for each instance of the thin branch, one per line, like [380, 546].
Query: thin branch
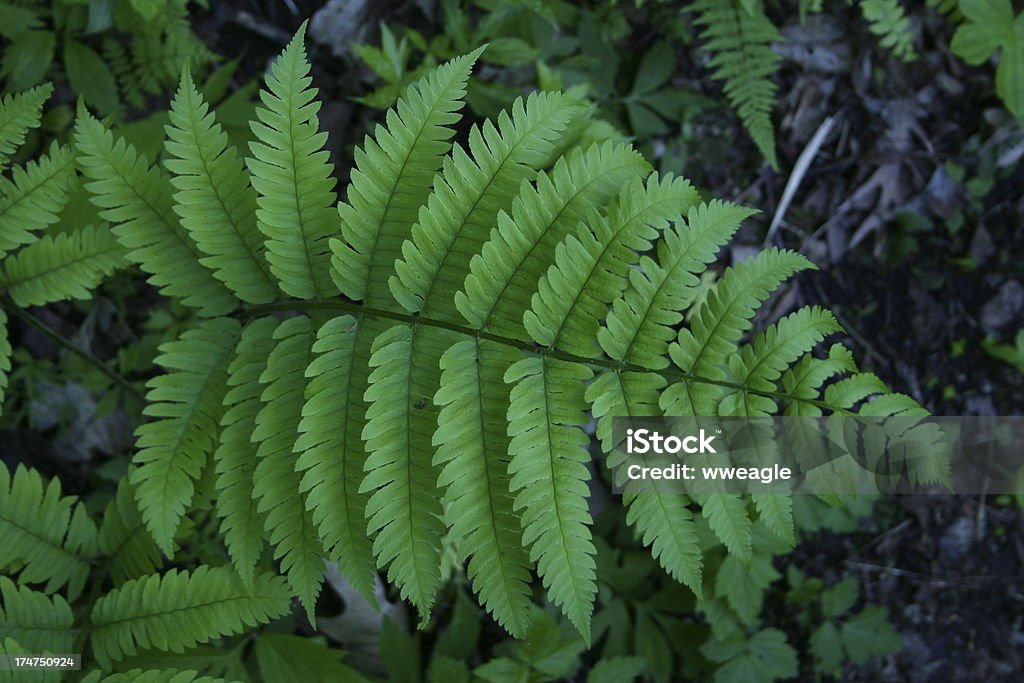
[66, 343]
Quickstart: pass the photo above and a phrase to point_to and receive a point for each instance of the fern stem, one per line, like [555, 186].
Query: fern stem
[66, 343]
[529, 347]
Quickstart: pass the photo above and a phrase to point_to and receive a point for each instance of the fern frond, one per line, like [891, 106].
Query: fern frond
[404, 508]
[65, 266]
[136, 199]
[757, 368]
[393, 174]
[276, 482]
[241, 523]
[740, 42]
[663, 521]
[330, 448]
[34, 620]
[776, 511]
[727, 516]
[49, 536]
[214, 199]
[472, 448]
[591, 266]
[33, 196]
[180, 609]
[548, 472]
[504, 275]
[720, 323]
[128, 549]
[759, 365]
[467, 196]
[293, 177]
[643, 319]
[846, 393]
[19, 113]
[888, 21]
[187, 403]
[804, 380]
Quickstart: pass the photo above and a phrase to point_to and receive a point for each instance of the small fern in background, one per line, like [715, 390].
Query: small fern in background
[888, 21]
[443, 349]
[739, 37]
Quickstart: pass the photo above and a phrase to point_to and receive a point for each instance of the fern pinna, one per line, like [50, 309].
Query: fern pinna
[417, 364]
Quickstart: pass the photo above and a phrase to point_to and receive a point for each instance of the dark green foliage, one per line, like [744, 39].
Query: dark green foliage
[114, 53]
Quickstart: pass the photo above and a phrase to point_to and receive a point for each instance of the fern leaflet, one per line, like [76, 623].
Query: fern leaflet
[49, 536]
[291, 173]
[188, 403]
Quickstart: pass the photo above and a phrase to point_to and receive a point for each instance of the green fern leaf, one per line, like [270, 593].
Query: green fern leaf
[804, 380]
[740, 42]
[241, 523]
[846, 393]
[129, 551]
[404, 508]
[718, 325]
[276, 483]
[504, 275]
[549, 475]
[34, 620]
[473, 450]
[331, 453]
[181, 609]
[591, 266]
[393, 175]
[759, 365]
[293, 177]
[663, 521]
[33, 196]
[19, 113]
[468, 195]
[65, 266]
[644, 318]
[887, 19]
[214, 199]
[727, 516]
[136, 199]
[49, 536]
[776, 511]
[188, 404]
[456, 219]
